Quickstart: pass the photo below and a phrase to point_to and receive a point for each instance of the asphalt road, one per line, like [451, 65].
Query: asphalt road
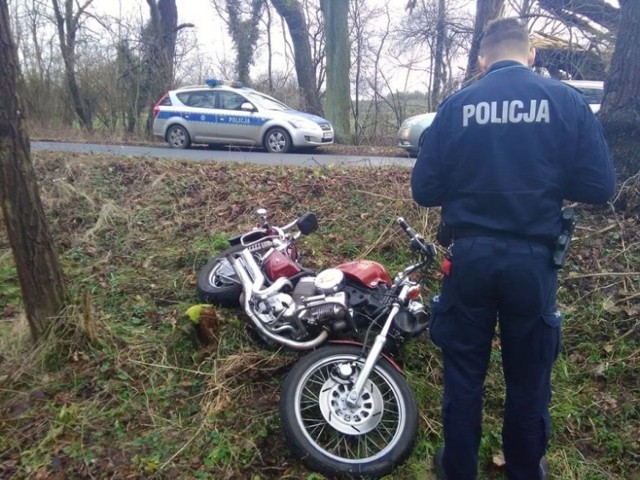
[313, 159]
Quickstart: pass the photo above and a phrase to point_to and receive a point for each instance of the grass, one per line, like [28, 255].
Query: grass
[145, 400]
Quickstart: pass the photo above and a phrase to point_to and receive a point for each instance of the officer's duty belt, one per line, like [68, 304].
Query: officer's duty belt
[462, 232]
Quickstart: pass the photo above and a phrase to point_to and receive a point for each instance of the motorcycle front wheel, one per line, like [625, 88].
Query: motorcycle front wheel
[369, 439]
[218, 282]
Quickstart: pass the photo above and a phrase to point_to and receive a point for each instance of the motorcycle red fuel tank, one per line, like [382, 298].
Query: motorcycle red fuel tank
[277, 265]
[369, 273]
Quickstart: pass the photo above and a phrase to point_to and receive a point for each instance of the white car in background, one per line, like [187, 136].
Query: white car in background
[413, 129]
[593, 91]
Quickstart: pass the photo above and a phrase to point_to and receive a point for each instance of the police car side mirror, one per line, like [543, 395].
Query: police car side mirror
[247, 107]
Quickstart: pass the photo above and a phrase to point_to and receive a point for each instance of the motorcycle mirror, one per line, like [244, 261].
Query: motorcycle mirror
[307, 223]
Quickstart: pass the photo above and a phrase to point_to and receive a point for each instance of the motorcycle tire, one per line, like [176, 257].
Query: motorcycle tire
[218, 283]
[369, 440]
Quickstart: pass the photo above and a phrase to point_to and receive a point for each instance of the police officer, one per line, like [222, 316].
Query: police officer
[500, 157]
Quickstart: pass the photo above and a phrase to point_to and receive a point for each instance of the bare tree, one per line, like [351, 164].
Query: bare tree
[129, 79]
[446, 33]
[570, 43]
[268, 23]
[620, 107]
[68, 21]
[242, 18]
[358, 42]
[486, 10]
[439, 77]
[41, 280]
[377, 59]
[37, 63]
[370, 29]
[579, 12]
[438, 72]
[160, 44]
[291, 11]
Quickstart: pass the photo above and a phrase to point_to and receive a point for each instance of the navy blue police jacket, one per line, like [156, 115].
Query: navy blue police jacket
[503, 153]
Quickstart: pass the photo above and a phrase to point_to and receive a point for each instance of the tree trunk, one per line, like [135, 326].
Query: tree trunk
[486, 10]
[41, 279]
[439, 70]
[620, 112]
[291, 11]
[163, 30]
[338, 99]
[269, 50]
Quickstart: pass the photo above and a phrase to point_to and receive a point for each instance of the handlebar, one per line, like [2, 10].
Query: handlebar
[306, 223]
[289, 226]
[405, 226]
[418, 243]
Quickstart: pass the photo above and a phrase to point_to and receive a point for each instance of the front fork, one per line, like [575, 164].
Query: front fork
[376, 350]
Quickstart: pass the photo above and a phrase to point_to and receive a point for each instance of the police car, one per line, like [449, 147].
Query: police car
[226, 113]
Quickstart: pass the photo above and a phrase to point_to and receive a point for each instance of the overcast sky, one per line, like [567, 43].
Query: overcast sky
[199, 12]
[215, 47]
[210, 32]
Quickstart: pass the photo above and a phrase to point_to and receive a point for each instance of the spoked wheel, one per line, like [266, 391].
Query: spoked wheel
[218, 282]
[368, 439]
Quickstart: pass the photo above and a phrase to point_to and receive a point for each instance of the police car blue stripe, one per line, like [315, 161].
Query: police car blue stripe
[241, 120]
[164, 114]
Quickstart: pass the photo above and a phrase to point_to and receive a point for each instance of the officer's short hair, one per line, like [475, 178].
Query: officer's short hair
[504, 35]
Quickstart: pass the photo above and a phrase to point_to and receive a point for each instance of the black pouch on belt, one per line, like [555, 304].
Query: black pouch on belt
[444, 235]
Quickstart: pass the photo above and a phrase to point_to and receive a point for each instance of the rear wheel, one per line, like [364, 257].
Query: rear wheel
[277, 140]
[178, 137]
[218, 282]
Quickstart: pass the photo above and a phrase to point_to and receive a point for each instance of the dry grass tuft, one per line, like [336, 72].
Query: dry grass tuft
[232, 374]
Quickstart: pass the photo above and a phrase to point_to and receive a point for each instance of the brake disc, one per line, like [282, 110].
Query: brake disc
[361, 418]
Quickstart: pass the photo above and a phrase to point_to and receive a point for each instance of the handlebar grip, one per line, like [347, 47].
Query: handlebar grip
[405, 226]
[417, 242]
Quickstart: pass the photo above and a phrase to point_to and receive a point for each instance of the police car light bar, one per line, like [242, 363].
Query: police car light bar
[214, 82]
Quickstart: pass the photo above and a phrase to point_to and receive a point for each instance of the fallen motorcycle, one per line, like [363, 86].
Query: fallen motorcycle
[346, 408]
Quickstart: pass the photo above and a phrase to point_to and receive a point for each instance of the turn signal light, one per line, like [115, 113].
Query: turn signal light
[414, 292]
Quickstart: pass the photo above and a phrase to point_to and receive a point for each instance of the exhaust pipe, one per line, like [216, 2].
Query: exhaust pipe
[258, 278]
[254, 288]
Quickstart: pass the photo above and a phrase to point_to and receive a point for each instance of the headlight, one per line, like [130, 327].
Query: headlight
[304, 123]
[410, 122]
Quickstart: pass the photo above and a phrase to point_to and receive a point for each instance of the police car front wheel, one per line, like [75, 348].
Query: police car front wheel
[178, 137]
[277, 140]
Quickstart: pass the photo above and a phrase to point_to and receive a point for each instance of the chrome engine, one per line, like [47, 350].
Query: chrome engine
[289, 315]
[306, 305]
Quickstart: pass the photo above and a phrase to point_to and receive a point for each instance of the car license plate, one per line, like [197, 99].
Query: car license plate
[327, 135]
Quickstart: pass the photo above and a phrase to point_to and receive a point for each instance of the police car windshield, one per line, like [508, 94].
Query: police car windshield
[266, 102]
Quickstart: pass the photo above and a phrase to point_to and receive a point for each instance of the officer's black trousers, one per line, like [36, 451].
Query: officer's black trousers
[510, 282]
